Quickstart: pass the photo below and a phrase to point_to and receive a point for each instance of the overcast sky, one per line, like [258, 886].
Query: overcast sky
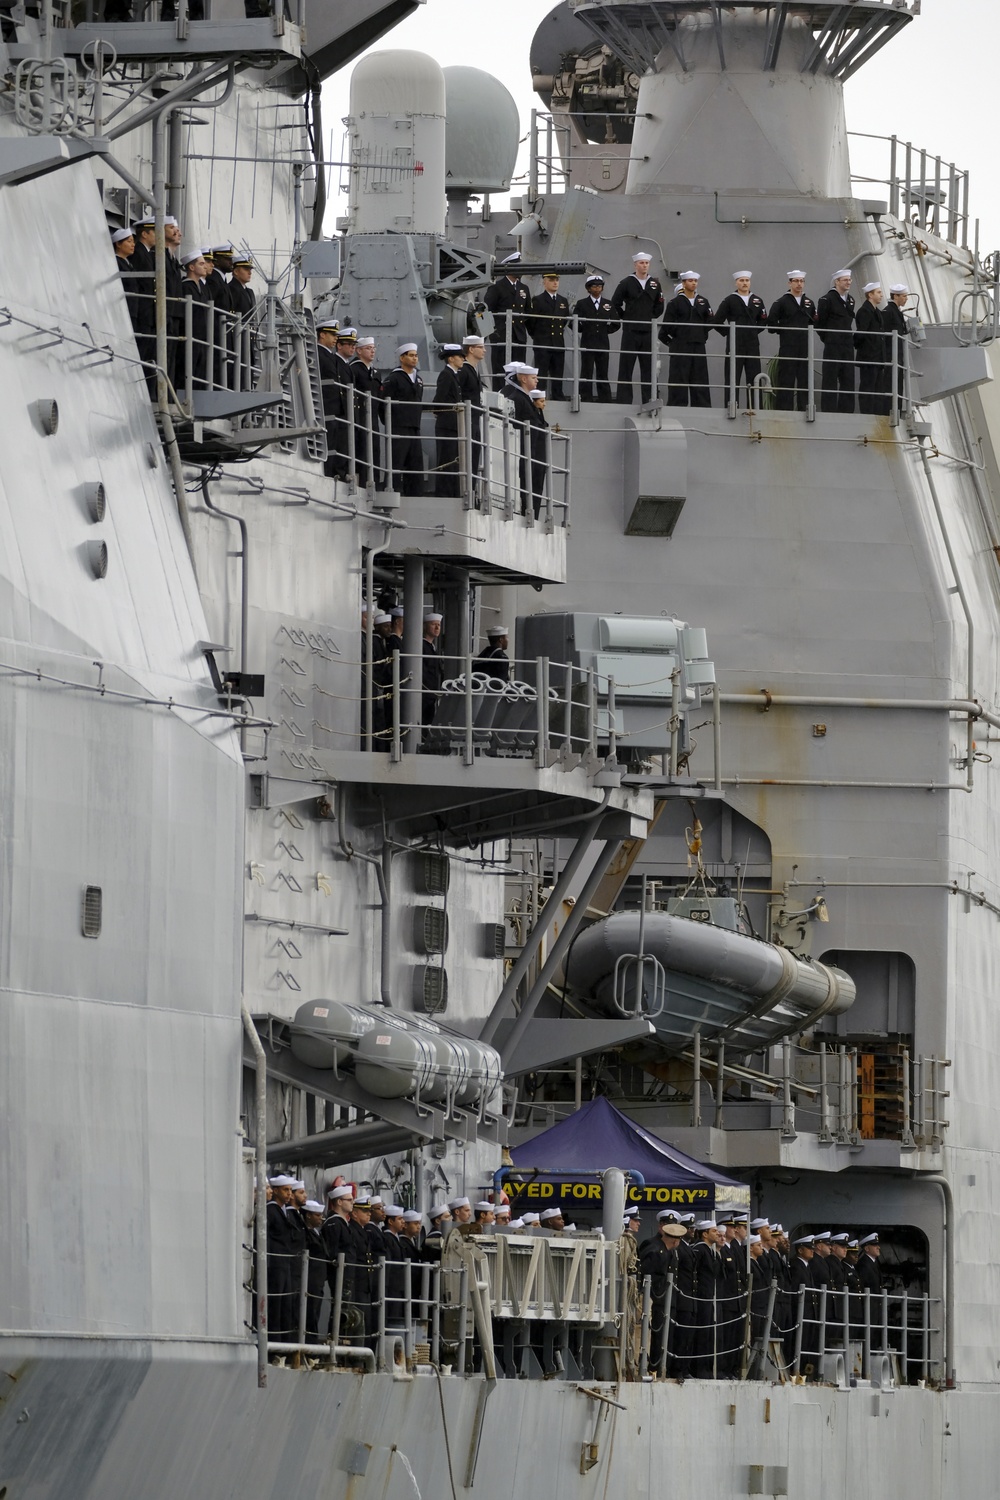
[930, 85]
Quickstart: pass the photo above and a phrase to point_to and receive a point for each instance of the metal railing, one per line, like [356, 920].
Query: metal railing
[823, 1091]
[577, 1304]
[808, 379]
[923, 188]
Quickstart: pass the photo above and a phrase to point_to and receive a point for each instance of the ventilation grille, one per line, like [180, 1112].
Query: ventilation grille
[93, 905]
[430, 990]
[430, 929]
[494, 939]
[433, 874]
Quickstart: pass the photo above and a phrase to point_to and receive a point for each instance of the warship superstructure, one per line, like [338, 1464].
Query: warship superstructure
[723, 848]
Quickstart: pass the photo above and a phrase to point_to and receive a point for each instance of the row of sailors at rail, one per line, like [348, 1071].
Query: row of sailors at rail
[705, 1265]
[387, 640]
[354, 393]
[856, 339]
[199, 273]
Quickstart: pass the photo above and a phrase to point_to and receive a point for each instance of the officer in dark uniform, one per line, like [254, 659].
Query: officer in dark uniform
[433, 670]
[193, 286]
[493, 661]
[175, 301]
[801, 1273]
[687, 319]
[894, 322]
[539, 450]
[637, 301]
[549, 315]
[242, 302]
[835, 321]
[364, 1254]
[448, 393]
[405, 389]
[220, 260]
[280, 1241]
[471, 385]
[143, 264]
[334, 391]
[742, 314]
[685, 1309]
[708, 1272]
[367, 383]
[789, 318]
[123, 244]
[596, 322]
[508, 294]
[521, 381]
[658, 1259]
[873, 347]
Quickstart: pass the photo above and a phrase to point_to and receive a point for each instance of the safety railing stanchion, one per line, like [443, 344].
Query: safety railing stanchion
[800, 1320]
[904, 1338]
[436, 1317]
[338, 1304]
[210, 347]
[397, 745]
[508, 335]
[866, 1343]
[549, 479]
[303, 1297]
[468, 755]
[845, 1310]
[390, 479]
[822, 1326]
[885, 1322]
[574, 340]
[380, 1344]
[468, 479]
[408, 1308]
[925, 1339]
[508, 496]
[696, 1080]
[811, 374]
[189, 354]
[668, 1303]
[647, 1307]
[733, 392]
[894, 403]
[463, 1319]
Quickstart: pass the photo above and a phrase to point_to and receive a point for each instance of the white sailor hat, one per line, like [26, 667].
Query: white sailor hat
[755, 1239]
[189, 256]
[778, 1228]
[538, 394]
[472, 339]
[382, 620]
[297, 1184]
[170, 219]
[704, 1224]
[806, 1239]
[282, 1180]
[431, 618]
[677, 286]
[394, 1210]
[367, 342]
[840, 1239]
[738, 274]
[760, 1224]
[872, 286]
[328, 325]
[530, 1219]
[121, 234]
[484, 1206]
[412, 1217]
[396, 613]
[454, 1203]
[796, 275]
[341, 1192]
[527, 370]
[406, 349]
[512, 367]
[438, 1211]
[375, 1201]
[570, 1228]
[899, 286]
[869, 1239]
[501, 1208]
[642, 255]
[517, 1223]
[690, 276]
[498, 630]
[448, 350]
[842, 272]
[550, 1213]
[312, 1207]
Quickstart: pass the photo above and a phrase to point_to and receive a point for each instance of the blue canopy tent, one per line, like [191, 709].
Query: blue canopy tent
[563, 1166]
